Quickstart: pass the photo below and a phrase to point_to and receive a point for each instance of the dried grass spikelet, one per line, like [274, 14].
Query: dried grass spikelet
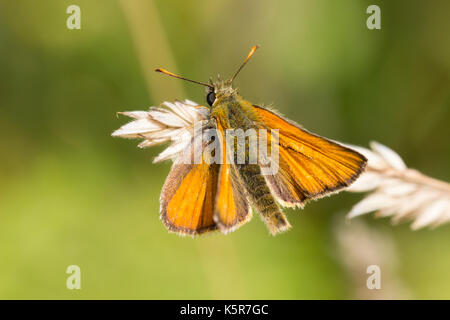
[173, 123]
[398, 191]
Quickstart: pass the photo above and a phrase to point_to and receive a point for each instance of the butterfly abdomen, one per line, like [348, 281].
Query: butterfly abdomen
[240, 116]
[261, 198]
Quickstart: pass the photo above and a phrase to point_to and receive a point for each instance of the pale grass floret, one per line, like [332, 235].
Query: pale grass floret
[398, 191]
[172, 123]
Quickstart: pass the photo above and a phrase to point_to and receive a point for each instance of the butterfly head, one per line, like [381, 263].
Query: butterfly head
[219, 89]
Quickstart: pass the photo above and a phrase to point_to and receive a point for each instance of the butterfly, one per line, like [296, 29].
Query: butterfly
[205, 195]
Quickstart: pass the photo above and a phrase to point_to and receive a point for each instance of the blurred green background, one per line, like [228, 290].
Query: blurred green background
[71, 194]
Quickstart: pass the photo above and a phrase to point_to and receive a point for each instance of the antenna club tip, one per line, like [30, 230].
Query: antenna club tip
[158, 70]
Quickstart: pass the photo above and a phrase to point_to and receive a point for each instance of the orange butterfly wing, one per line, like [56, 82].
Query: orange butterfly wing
[187, 198]
[197, 198]
[232, 208]
[309, 166]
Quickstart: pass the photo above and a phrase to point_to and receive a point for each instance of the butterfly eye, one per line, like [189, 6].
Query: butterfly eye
[210, 98]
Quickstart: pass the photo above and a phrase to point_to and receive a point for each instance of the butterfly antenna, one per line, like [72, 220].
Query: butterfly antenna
[182, 78]
[245, 61]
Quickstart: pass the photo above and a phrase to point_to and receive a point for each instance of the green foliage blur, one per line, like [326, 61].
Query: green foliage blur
[72, 194]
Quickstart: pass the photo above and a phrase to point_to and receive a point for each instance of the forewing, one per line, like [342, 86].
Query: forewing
[231, 208]
[309, 166]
